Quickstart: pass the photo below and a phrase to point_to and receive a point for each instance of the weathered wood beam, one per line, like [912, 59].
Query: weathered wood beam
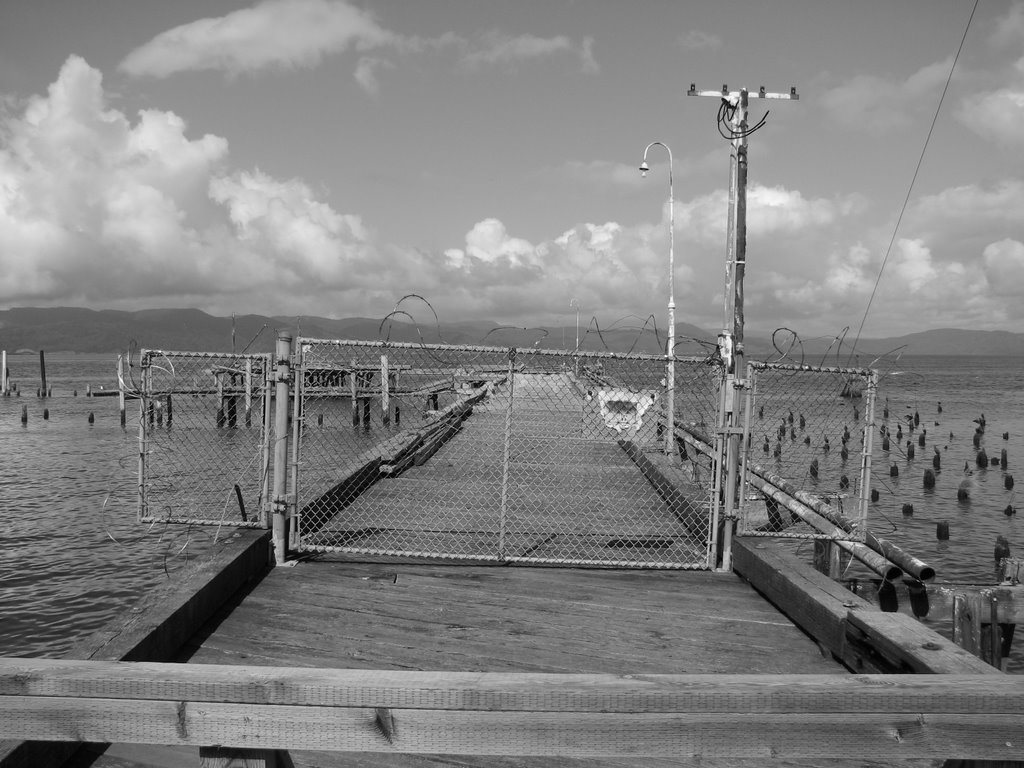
[823, 608]
[782, 716]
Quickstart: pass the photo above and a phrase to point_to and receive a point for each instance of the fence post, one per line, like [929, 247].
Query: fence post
[282, 377]
[145, 381]
[385, 393]
[506, 452]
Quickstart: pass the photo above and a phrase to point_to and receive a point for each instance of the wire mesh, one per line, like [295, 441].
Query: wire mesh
[559, 457]
[807, 433]
[203, 438]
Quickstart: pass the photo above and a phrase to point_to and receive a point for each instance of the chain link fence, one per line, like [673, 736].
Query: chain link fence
[204, 423]
[544, 468]
[559, 457]
[808, 434]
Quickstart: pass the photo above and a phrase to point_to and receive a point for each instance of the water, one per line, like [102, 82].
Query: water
[73, 555]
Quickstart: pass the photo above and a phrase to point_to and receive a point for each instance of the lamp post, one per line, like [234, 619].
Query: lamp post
[670, 353]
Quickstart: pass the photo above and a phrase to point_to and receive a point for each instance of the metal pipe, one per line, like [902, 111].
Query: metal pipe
[282, 376]
[862, 552]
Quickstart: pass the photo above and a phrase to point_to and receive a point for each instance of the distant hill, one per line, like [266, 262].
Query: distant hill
[67, 329]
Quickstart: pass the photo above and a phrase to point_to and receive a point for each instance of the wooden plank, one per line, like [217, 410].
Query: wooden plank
[226, 757]
[887, 735]
[490, 618]
[899, 639]
[813, 601]
[71, 679]
[849, 627]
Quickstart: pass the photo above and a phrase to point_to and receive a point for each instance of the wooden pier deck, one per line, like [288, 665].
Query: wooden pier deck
[327, 612]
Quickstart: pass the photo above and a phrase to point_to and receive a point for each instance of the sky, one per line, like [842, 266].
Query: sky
[323, 157]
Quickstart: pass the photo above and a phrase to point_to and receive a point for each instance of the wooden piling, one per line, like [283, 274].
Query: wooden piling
[120, 387]
[353, 388]
[42, 372]
[24, 414]
[4, 375]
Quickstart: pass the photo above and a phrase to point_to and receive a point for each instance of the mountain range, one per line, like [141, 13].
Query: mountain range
[67, 329]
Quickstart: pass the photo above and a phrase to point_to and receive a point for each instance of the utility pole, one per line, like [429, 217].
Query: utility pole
[733, 125]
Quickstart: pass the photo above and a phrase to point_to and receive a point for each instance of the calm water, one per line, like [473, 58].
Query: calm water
[73, 555]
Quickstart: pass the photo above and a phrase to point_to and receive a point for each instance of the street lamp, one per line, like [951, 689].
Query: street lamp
[670, 354]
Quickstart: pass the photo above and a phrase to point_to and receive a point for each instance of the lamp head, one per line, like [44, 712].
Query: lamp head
[644, 168]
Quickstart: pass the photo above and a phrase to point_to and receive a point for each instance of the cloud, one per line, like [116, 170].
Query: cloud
[366, 73]
[274, 34]
[771, 211]
[695, 40]
[878, 105]
[996, 115]
[1004, 267]
[97, 209]
[498, 49]
[1009, 29]
[291, 34]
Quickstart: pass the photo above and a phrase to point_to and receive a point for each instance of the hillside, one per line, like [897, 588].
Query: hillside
[68, 329]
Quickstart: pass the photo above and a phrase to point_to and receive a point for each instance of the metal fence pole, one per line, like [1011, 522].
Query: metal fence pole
[143, 448]
[282, 375]
[868, 448]
[506, 452]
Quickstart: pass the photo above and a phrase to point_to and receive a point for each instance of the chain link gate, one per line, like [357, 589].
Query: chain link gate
[204, 421]
[807, 433]
[516, 455]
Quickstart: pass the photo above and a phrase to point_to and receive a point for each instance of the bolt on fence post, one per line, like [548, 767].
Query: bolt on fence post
[282, 377]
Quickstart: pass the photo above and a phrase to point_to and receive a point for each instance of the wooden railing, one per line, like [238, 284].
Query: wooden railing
[884, 717]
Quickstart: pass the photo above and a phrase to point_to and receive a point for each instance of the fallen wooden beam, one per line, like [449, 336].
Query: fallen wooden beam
[887, 717]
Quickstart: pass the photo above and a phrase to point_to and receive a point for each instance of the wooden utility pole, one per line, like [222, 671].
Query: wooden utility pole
[733, 125]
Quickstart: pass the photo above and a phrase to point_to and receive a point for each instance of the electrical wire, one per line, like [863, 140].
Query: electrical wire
[917, 170]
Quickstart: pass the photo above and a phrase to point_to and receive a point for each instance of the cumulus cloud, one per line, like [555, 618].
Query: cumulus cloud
[879, 105]
[100, 209]
[770, 211]
[1004, 267]
[996, 115]
[272, 34]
